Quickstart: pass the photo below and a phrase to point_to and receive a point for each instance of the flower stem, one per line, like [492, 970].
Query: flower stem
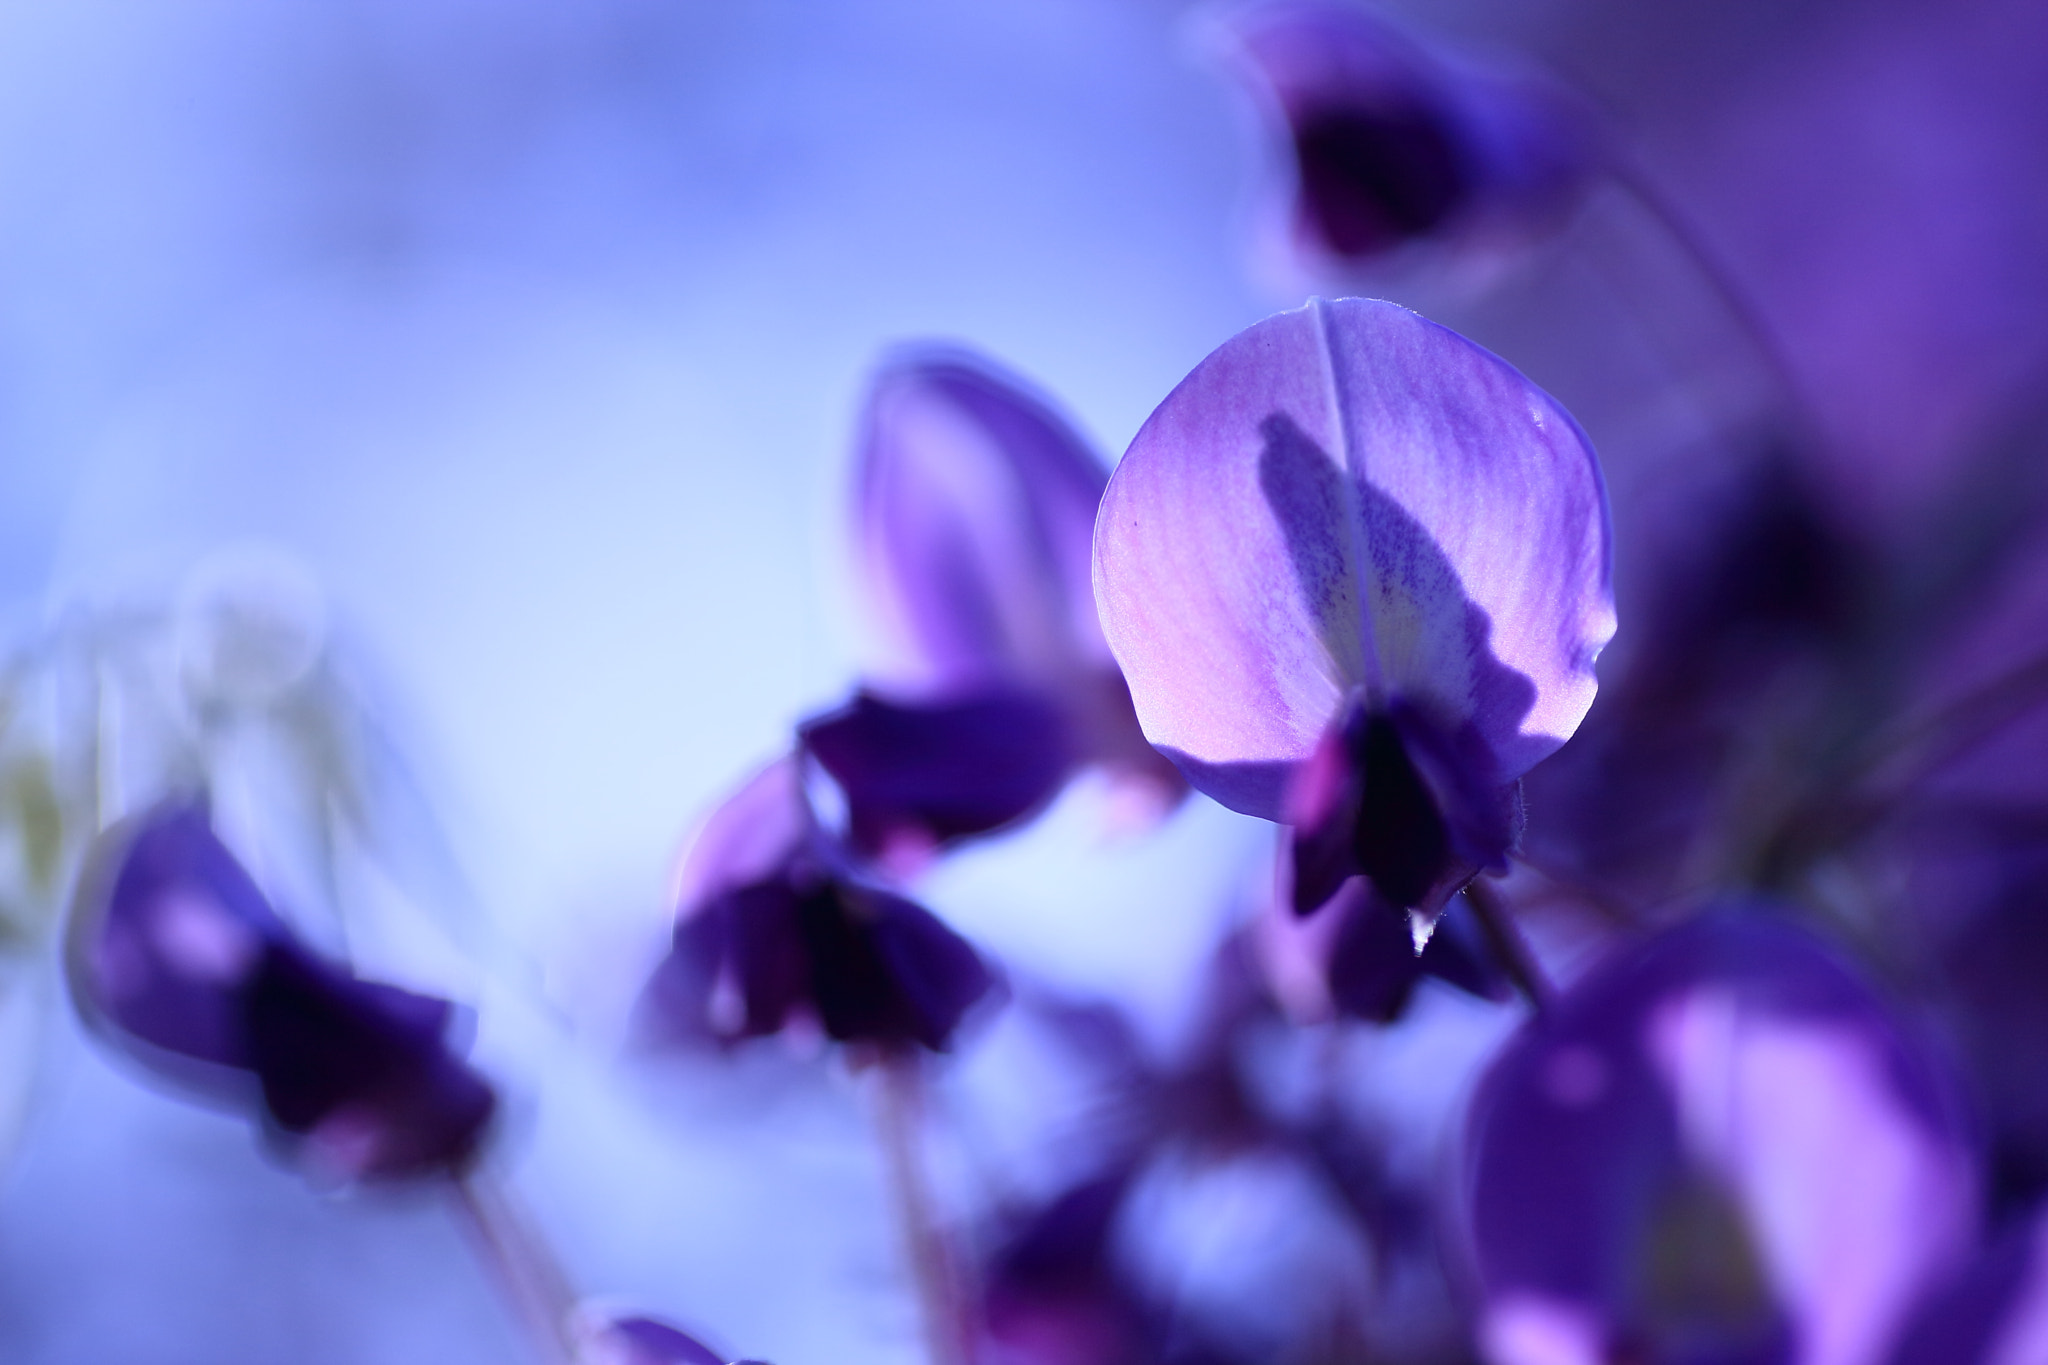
[901, 1117]
[1504, 937]
[521, 1263]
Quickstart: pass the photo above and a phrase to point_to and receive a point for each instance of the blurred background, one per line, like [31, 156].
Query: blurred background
[522, 342]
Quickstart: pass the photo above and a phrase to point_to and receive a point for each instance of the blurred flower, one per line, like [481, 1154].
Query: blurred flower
[774, 926]
[974, 505]
[1356, 570]
[1719, 1146]
[178, 960]
[1387, 145]
[642, 1341]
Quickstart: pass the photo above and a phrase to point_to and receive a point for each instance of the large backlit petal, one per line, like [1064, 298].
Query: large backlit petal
[1350, 496]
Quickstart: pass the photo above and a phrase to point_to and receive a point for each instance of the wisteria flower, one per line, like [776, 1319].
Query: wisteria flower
[178, 960]
[773, 926]
[1719, 1146]
[1388, 145]
[974, 504]
[1356, 571]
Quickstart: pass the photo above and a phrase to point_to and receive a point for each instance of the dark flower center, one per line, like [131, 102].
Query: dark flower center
[1372, 178]
[1400, 839]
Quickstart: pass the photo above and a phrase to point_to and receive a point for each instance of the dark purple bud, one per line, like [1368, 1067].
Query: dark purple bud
[1717, 1143]
[1389, 797]
[179, 960]
[359, 1072]
[1390, 144]
[1357, 956]
[917, 777]
[803, 938]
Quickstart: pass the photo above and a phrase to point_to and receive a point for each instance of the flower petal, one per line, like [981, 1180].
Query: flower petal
[753, 835]
[167, 933]
[1350, 496]
[645, 1341]
[1718, 1136]
[924, 775]
[974, 506]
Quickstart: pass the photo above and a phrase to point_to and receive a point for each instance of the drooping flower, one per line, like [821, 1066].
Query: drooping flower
[773, 925]
[178, 960]
[974, 504]
[1718, 1146]
[1356, 571]
[1386, 144]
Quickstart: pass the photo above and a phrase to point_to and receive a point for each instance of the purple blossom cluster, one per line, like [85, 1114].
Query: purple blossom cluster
[1745, 912]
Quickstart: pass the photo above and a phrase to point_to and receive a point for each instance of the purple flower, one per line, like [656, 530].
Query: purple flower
[1356, 571]
[643, 1341]
[773, 926]
[1719, 1146]
[1388, 145]
[1358, 957]
[974, 504]
[178, 960]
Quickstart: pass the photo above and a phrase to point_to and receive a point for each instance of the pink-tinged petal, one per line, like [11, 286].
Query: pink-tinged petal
[1349, 496]
[974, 507]
[750, 837]
[1720, 1142]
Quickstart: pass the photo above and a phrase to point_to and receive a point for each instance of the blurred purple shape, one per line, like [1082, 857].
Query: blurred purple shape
[1994, 1312]
[1356, 571]
[645, 1341]
[1053, 1293]
[773, 926]
[177, 959]
[1719, 1146]
[916, 777]
[974, 508]
[1390, 145]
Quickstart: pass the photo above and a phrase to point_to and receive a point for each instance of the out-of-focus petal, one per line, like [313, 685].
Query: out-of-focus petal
[1349, 496]
[919, 776]
[1718, 1141]
[807, 940]
[358, 1073]
[1390, 144]
[177, 957]
[1053, 1294]
[885, 970]
[641, 1341]
[167, 932]
[752, 835]
[1995, 1312]
[974, 506]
